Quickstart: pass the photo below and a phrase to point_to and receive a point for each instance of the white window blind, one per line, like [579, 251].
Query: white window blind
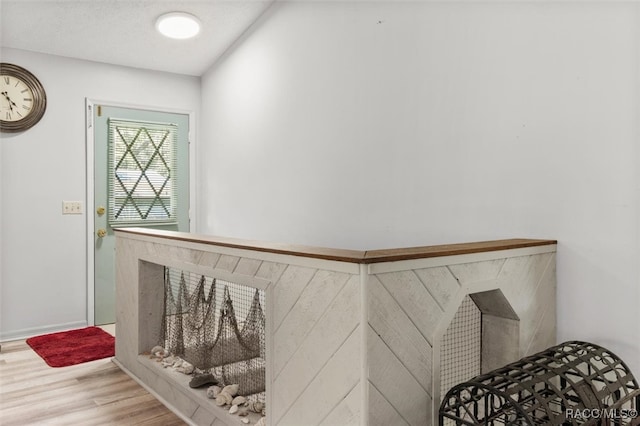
[141, 177]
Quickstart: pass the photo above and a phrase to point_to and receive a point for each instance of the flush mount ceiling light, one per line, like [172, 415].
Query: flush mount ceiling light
[179, 25]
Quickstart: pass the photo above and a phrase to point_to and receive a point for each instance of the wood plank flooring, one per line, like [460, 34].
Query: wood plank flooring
[93, 393]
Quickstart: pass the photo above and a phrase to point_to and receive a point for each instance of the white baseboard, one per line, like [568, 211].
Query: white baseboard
[25, 333]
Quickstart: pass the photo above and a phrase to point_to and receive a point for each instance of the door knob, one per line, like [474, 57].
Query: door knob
[101, 233]
[100, 210]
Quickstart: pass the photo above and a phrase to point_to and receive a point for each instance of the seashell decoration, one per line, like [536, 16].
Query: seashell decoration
[223, 398]
[231, 389]
[185, 367]
[233, 409]
[158, 352]
[242, 412]
[213, 391]
[239, 400]
[255, 406]
[262, 422]
[168, 361]
[245, 421]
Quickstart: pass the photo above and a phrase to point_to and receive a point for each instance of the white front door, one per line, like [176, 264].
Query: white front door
[141, 179]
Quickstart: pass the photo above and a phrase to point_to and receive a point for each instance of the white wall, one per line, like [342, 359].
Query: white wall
[44, 256]
[382, 124]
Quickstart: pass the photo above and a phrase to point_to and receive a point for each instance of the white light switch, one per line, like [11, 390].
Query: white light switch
[72, 207]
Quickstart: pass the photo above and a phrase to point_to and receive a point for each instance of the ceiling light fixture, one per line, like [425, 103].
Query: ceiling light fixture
[178, 25]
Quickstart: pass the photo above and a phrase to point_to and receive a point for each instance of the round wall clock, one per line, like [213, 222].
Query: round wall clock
[22, 98]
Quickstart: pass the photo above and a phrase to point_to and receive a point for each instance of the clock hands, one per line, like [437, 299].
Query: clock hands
[11, 103]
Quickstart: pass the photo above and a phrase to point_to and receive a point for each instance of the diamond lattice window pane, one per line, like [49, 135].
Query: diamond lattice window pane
[142, 159]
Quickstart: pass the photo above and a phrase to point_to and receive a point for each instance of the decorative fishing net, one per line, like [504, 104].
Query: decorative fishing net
[222, 332]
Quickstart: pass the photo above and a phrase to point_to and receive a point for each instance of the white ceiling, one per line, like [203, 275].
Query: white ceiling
[123, 32]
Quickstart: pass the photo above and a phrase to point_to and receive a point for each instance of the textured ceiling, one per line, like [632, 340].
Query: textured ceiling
[123, 32]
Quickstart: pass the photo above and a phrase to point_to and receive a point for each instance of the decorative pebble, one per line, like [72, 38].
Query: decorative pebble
[245, 421]
[262, 421]
[233, 409]
[203, 379]
[243, 412]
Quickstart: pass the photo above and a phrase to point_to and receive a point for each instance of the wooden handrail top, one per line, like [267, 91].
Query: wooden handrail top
[344, 255]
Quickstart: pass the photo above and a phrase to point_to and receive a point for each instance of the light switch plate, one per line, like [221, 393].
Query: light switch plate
[72, 207]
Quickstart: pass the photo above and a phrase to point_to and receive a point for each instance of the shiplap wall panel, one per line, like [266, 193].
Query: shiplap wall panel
[396, 384]
[288, 289]
[208, 259]
[203, 417]
[247, 266]
[313, 301]
[529, 284]
[543, 334]
[521, 276]
[332, 329]
[441, 284]
[423, 295]
[535, 327]
[227, 263]
[347, 413]
[381, 412]
[400, 334]
[328, 388]
[271, 271]
[477, 271]
[318, 357]
[410, 293]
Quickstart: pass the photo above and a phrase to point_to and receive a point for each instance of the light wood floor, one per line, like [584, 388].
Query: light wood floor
[93, 393]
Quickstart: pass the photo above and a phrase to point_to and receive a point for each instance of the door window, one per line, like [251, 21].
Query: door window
[141, 176]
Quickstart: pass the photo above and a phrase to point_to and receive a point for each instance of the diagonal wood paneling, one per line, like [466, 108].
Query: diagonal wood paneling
[332, 329]
[247, 266]
[317, 348]
[329, 387]
[310, 306]
[288, 289]
[271, 271]
[521, 276]
[407, 289]
[477, 271]
[395, 328]
[544, 334]
[541, 309]
[208, 259]
[227, 263]
[381, 412]
[529, 284]
[441, 283]
[394, 382]
[347, 412]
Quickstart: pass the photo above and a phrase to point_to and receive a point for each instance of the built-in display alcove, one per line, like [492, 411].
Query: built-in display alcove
[215, 326]
[350, 337]
[482, 335]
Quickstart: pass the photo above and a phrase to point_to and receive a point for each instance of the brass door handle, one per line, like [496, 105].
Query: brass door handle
[101, 233]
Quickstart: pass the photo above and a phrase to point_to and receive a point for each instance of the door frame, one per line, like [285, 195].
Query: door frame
[90, 196]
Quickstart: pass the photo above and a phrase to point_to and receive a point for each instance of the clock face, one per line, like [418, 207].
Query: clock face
[23, 100]
[16, 98]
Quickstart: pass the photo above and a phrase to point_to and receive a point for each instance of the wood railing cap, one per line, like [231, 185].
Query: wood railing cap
[344, 255]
